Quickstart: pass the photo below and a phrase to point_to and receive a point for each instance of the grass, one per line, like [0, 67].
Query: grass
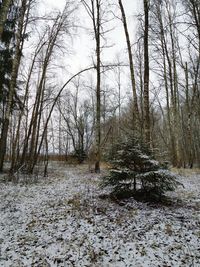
[185, 171]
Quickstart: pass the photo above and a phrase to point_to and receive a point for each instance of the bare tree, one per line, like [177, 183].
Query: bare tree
[15, 149]
[94, 10]
[131, 66]
[78, 123]
[30, 148]
[146, 72]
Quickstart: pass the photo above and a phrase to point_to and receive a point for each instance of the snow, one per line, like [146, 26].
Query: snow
[62, 221]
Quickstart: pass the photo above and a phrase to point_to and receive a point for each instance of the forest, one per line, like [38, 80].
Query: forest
[100, 133]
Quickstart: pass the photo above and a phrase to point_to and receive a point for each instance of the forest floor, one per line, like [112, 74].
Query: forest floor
[62, 221]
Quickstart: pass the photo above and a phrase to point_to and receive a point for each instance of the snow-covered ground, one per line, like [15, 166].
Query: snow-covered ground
[61, 221]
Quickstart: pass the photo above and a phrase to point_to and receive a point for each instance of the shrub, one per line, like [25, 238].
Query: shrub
[136, 173]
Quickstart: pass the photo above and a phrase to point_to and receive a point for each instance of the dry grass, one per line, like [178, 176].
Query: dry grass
[186, 172]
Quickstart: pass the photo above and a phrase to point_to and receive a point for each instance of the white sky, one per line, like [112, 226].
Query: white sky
[83, 43]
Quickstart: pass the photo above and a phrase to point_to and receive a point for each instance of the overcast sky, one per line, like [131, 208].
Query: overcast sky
[82, 45]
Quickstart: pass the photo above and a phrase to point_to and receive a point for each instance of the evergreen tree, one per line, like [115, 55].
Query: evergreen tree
[4, 10]
[6, 52]
[135, 173]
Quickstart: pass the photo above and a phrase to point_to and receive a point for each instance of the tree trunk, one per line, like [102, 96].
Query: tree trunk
[16, 62]
[98, 92]
[165, 55]
[146, 74]
[131, 66]
[14, 163]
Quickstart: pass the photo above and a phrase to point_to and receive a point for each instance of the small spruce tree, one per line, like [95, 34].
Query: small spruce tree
[135, 173]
